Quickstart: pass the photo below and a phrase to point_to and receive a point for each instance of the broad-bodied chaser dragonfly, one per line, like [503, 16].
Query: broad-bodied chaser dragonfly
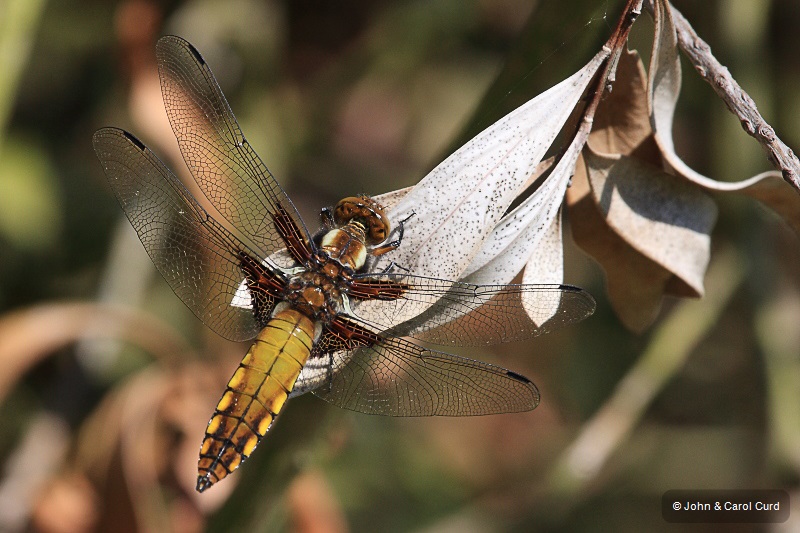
[323, 320]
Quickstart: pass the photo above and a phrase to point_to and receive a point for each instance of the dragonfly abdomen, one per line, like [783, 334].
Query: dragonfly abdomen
[255, 394]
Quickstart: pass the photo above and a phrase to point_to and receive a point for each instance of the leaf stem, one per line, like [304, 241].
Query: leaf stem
[614, 46]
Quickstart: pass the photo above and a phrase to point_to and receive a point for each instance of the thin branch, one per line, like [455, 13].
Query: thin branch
[616, 44]
[737, 100]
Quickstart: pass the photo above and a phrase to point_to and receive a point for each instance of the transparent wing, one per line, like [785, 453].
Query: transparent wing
[461, 314]
[397, 378]
[195, 254]
[223, 163]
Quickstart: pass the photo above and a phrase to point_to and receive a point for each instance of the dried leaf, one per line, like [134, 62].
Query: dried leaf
[664, 80]
[622, 122]
[663, 89]
[546, 265]
[134, 442]
[661, 216]
[459, 207]
[460, 202]
[651, 228]
[29, 335]
[529, 238]
[658, 215]
[655, 231]
[516, 239]
[635, 283]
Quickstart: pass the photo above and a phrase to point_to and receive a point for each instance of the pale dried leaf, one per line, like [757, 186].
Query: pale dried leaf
[529, 237]
[545, 265]
[516, 239]
[458, 205]
[460, 202]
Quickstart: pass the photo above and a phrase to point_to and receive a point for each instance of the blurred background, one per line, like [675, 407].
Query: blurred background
[107, 380]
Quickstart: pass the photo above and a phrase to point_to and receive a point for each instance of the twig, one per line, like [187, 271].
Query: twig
[615, 45]
[737, 100]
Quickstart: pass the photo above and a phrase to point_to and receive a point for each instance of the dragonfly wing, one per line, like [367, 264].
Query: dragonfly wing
[195, 254]
[223, 163]
[453, 313]
[496, 314]
[397, 378]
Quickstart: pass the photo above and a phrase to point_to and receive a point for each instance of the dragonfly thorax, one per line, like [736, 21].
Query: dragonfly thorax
[315, 295]
[346, 245]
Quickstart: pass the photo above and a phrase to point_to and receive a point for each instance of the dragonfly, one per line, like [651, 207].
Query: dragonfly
[322, 317]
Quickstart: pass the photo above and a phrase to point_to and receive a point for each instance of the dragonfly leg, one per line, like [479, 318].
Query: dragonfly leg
[393, 245]
[326, 215]
[391, 267]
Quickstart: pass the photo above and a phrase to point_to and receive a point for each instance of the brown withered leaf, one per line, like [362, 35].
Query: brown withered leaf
[27, 336]
[635, 283]
[658, 214]
[663, 89]
[648, 229]
[649, 219]
[664, 225]
[135, 447]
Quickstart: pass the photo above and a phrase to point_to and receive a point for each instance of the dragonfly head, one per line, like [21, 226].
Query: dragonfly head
[365, 211]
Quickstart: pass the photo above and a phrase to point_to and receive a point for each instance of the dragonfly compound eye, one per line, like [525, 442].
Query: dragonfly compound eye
[345, 210]
[377, 230]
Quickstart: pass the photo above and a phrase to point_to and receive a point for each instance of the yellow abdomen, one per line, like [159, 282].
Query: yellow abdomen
[255, 395]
